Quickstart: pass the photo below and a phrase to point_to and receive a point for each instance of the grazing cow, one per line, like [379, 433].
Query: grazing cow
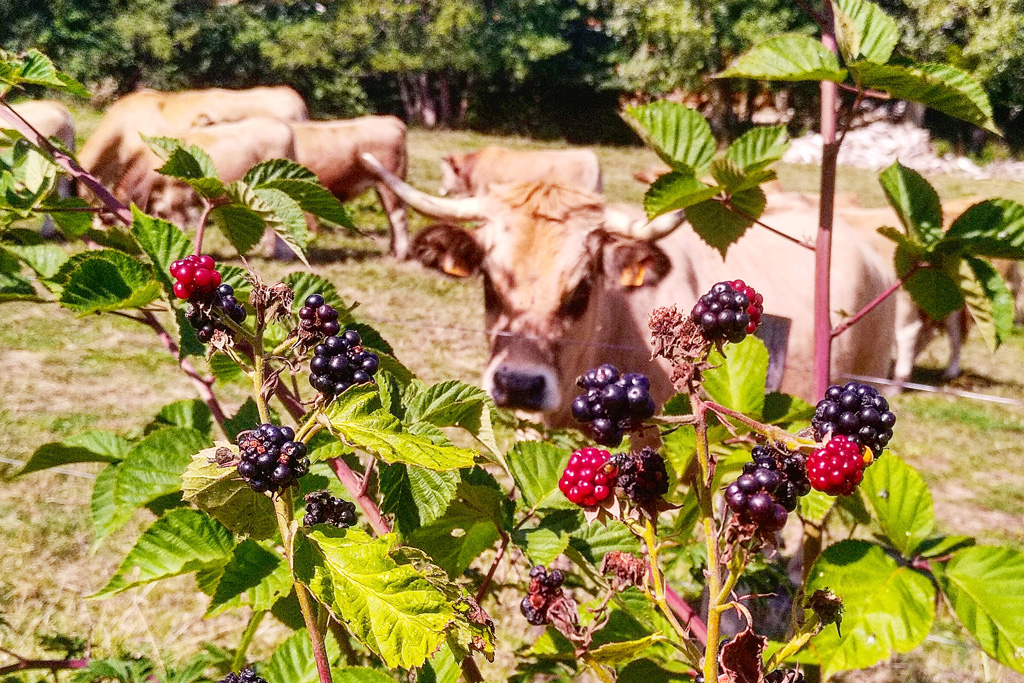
[474, 173]
[331, 149]
[53, 120]
[569, 284]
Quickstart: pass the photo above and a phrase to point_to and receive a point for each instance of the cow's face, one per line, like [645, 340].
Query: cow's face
[455, 172]
[546, 262]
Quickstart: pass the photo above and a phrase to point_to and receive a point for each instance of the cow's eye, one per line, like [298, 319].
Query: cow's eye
[574, 303]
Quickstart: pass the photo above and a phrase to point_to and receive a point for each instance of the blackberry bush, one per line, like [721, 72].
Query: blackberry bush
[855, 411]
[544, 589]
[323, 508]
[339, 362]
[768, 489]
[589, 477]
[613, 403]
[317, 317]
[270, 459]
[838, 467]
[729, 312]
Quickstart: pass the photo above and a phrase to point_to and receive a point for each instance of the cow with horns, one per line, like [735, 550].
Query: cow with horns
[569, 283]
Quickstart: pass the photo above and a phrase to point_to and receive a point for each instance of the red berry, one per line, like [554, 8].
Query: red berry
[837, 468]
[182, 290]
[203, 279]
[586, 476]
[206, 262]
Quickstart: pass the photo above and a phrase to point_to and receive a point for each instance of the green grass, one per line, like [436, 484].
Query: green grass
[63, 374]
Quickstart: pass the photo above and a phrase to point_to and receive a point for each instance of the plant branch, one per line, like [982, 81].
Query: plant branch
[486, 583]
[201, 228]
[238, 663]
[795, 644]
[702, 488]
[26, 664]
[867, 92]
[770, 432]
[599, 671]
[848, 123]
[690, 619]
[795, 240]
[853, 319]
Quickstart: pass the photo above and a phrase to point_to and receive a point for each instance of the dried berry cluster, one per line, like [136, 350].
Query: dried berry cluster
[323, 508]
[545, 588]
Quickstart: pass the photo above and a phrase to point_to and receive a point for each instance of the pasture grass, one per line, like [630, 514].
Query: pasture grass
[62, 374]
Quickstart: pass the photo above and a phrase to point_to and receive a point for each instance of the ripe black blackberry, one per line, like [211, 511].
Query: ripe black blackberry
[544, 589]
[729, 312]
[202, 312]
[323, 508]
[317, 317]
[270, 460]
[642, 476]
[769, 487]
[246, 675]
[613, 403]
[855, 411]
[339, 362]
[784, 676]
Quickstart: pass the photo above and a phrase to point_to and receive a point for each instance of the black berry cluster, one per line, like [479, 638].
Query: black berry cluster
[784, 676]
[769, 487]
[729, 312]
[545, 588]
[201, 316]
[641, 476]
[857, 412]
[271, 461]
[323, 508]
[317, 317]
[247, 675]
[339, 362]
[613, 403]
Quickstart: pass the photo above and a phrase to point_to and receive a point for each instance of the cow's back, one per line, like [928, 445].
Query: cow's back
[190, 108]
[50, 118]
[331, 150]
[495, 165]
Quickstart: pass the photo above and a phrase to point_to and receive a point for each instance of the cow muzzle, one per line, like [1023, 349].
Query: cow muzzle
[523, 388]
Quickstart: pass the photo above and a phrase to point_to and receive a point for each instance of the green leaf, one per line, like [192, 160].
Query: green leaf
[985, 585]
[314, 198]
[943, 545]
[358, 419]
[188, 163]
[877, 31]
[188, 342]
[105, 517]
[455, 404]
[304, 284]
[45, 258]
[360, 674]
[14, 287]
[994, 228]
[536, 467]
[594, 541]
[392, 609]
[614, 654]
[934, 291]
[540, 544]
[253, 569]
[916, 202]
[415, 496]
[180, 542]
[162, 242]
[758, 147]
[285, 218]
[900, 501]
[783, 409]
[71, 223]
[679, 135]
[241, 225]
[789, 57]
[889, 607]
[94, 446]
[676, 190]
[37, 69]
[737, 381]
[815, 506]
[988, 299]
[293, 662]
[277, 169]
[189, 412]
[107, 280]
[224, 369]
[720, 227]
[940, 86]
[222, 493]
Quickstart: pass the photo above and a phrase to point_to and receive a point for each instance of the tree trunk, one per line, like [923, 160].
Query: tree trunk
[464, 100]
[425, 101]
[444, 98]
[407, 101]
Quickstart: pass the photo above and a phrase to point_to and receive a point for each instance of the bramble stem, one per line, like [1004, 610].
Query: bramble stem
[26, 664]
[799, 639]
[853, 319]
[702, 487]
[201, 228]
[486, 583]
[650, 538]
[258, 372]
[736, 567]
[243, 645]
[770, 432]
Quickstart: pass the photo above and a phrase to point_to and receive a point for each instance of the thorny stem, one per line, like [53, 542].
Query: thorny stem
[799, 639]
[26, 664]
[486, 583]
[259, 372]
[243, 646]
[702, 487]
[649, 535]
[736, 567]
[795, 240]
[771, 432]
[852, 320]
[201, 228]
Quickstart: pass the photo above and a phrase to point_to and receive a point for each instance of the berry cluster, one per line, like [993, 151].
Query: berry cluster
[729, 312]
[270, 459]
[317, 317]
[545, 588]
[246, 675]
[613, 403]
[339, 362]
[769, 487]
[195, 275]
[837, 467]
[201, 316]
[323, 508]
[784, 676]
[857, 412]
[589, 477]
[642, 476]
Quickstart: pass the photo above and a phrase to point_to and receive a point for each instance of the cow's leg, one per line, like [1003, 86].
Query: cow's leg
[956, 328]
[398, 219]
[908, 342]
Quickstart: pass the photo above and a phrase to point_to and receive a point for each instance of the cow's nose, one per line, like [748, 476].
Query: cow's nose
[519, 389]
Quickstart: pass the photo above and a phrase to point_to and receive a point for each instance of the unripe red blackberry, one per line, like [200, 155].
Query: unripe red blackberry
[642, 476]
[339, 362]
[317, 317]
[544, 589]
[729, 312]
[195, 277]
[768, 489]
[270, 459]
[323, 508]
[612, 403]
[589, 477]
[855, 411]
[837, 468]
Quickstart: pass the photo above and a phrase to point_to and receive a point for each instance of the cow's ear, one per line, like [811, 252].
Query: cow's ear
[635, 263]
[448, 248]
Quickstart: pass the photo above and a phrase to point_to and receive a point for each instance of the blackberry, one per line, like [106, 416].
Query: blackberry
[270, 459]
[246, 675]
[195, 276]
[857, 412]
[642, 476]
[768, 489]
[201, 315]
[317, 317]
[323, 508]
[729, 312]
[589, 477]
[784, 676]
[339, 362]
[838, 467]
[544, 589]
[613, 403]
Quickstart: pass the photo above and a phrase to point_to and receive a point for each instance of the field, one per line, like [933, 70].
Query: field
[62, 375]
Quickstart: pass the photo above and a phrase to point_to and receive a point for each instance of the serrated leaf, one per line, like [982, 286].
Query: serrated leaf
[222, 493]
[789, 57]
[877, 32]
[185, 162]
[993, 228]
[415, 496]
[847, 34]
[107, 280]
[737, 380]
[935, 292]
[188, 342]
[358, 418]
[718, 226]
[675, 190]
[455, 404]
[988, 299]
[900, 501]
[758, 147]
[536, 467]
[735, 179]
[613, 654]
[916, 202]
[189, 412]
[985, 585]
[255, 570]
[815, 506]
[678, 134]
[45, 258]
[286, 219]
[541, 545]
[277, 169]
[104, 513]
[93, 446]
[37, 69]
[390, 608]
[241, 225]
[162, 242]
[71, 223]
[293, 662]
[889, 607]
[180, 542]
[314, 198]
[360, 674]
[224, 369]
[14, 287]
[594, 541]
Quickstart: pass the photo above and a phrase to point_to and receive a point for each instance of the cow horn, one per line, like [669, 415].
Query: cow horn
[621, 223]
[464, 209]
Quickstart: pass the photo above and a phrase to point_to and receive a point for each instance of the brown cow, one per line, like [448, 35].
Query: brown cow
[474, 173]
[553, 258]
[331, 149]
[53, 120]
